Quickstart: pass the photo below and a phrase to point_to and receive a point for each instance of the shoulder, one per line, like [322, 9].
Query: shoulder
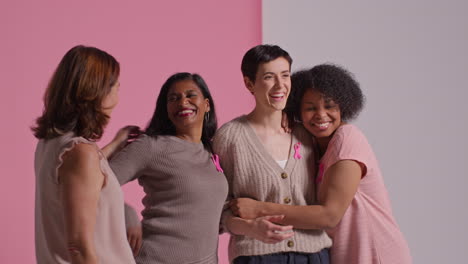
[81, 160]
[144, 140]
[82, 154]
[231, 129]
[232, 126]
[150, 142]
[146, 144]
[301, 134]
[349, 132]
[229, 133]
[77, 148]
[349, 139]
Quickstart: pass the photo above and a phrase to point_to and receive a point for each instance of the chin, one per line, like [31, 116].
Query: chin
[322, 135]
[278, 107]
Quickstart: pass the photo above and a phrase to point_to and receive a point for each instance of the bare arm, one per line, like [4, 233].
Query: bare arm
[339, 187]
[120, 140]
[81, 181]
[261, 228]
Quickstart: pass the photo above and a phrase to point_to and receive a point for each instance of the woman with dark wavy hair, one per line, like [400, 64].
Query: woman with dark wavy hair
[183, 182]
[79, 213]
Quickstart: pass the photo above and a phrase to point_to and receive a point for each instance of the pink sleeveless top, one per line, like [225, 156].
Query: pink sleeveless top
[51, 244]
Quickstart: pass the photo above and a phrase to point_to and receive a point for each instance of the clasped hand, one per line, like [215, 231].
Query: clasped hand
[265, 228]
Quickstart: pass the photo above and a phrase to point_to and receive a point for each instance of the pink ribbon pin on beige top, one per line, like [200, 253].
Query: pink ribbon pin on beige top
[297, 149]
[215, 159]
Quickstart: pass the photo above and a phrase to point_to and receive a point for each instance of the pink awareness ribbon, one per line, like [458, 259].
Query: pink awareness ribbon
[297, 148]
[215, 159]
[320, 174]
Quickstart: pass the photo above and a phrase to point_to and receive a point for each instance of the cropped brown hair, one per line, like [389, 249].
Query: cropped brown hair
[73, 99]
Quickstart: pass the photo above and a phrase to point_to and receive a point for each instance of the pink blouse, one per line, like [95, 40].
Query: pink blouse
[368, 232]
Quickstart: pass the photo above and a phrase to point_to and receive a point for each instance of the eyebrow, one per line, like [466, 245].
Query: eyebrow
[287, 71]
[186, 91]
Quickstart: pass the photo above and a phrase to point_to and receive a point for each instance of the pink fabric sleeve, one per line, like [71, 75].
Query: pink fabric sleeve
[348, 143]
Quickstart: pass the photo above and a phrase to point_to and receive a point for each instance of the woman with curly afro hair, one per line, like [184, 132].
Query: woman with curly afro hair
[353, 203]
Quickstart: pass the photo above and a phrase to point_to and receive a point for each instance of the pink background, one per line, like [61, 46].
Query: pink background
[151, 40]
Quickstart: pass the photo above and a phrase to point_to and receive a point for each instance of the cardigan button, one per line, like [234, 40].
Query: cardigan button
[290, 243]
[287, 200]
[284, 175]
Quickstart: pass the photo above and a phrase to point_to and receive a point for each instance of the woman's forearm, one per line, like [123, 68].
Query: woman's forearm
[341, 183]
[302, 217]
[263, 228]
[109, 149]
[120, 140]
[238, 226]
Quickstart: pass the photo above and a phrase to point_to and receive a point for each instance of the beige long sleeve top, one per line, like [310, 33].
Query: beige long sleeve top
[185, 194]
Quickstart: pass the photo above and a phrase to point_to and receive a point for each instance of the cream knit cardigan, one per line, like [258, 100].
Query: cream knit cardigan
[252, 172]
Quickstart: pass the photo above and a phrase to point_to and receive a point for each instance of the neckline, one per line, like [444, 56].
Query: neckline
[186, 142]
[265, 155]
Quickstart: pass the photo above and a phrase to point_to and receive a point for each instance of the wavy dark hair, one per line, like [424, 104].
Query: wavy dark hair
[261, 54]
[332, 81]
[73, 99]
[160, 124]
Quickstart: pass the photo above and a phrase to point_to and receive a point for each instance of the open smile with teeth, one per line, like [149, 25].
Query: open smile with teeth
[277, 96]
[323, 125]
[186, 112]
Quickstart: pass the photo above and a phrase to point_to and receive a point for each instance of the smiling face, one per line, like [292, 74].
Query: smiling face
[272, 84]
[186, 106]
[321, 116]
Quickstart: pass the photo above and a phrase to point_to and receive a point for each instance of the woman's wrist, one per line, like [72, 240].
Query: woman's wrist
[239, 226]
[267, 208]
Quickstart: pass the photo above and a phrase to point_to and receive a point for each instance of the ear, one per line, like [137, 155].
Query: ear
[249, 84]
[207, 101]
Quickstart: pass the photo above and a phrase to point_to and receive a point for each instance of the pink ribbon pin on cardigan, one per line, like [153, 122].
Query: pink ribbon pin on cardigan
[297, 148]
[215, 159]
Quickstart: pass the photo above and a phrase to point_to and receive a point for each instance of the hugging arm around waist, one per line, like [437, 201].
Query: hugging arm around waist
[339, 186]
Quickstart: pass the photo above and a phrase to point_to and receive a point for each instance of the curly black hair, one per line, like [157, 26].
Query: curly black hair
[333, 82]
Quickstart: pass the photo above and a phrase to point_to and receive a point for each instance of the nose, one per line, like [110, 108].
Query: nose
[320, 114]
[278, 80]
[183, 101]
